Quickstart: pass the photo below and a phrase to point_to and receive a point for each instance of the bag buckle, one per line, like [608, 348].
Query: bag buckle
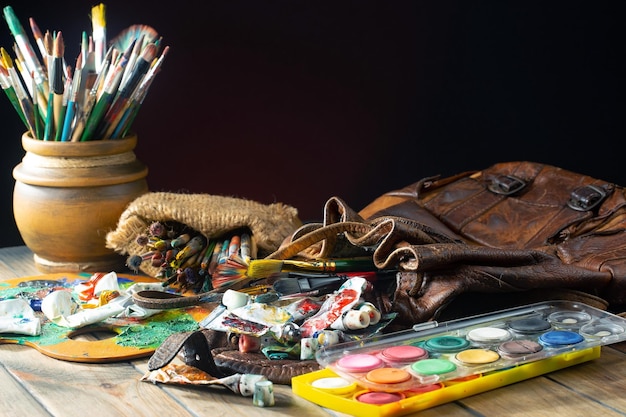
[506, 184]
[586, 198]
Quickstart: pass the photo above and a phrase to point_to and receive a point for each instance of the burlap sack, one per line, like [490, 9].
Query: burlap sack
[211, 215]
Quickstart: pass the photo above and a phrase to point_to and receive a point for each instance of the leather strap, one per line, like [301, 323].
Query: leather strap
[160, 300]
[194, 348]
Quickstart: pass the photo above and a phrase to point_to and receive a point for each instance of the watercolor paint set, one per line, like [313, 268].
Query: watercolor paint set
[434, 363]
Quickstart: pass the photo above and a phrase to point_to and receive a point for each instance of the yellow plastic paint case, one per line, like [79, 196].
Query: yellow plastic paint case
[437, 362]
[344, 402]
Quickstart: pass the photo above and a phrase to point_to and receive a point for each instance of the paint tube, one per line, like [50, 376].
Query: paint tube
[334, 306]
[352, 320]
[17, 316]
[265, 314]
[303, 308]
[25, 326]
[179, 374]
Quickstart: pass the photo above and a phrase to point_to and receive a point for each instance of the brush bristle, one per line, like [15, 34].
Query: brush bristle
[228, 273]
[287, 286]
[300, 284]
[14, 24]
[126, 37]
[264, 268]
[98, 20]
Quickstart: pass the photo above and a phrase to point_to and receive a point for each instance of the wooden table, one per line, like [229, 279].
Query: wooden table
[32, 384]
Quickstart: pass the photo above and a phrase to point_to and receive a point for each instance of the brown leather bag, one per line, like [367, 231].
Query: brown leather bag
[525, 230]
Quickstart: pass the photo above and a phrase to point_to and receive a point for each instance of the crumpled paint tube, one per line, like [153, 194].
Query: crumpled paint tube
[268, 315]
[61, 308]
[17, 316]
[179, 374]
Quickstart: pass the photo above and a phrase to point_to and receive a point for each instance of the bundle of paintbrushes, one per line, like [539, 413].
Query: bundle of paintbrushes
[99, 98]
[187, 260]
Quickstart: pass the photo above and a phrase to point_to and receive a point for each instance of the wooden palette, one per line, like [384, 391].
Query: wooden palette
[85, 344]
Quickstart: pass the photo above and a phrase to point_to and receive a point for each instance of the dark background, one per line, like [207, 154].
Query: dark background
[298, 101]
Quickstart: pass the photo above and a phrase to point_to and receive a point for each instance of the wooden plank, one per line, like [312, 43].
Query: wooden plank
[568, 392]
[537, 397]
[17, 262]
[619, 346]
[68, 388]
[15, 400]
[216, 401]
[602, 380]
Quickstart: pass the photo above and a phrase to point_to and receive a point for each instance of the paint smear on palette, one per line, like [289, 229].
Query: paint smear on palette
[139, 334]
[154, 332]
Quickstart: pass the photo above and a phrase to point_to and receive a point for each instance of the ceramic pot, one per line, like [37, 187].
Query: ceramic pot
[69, 195]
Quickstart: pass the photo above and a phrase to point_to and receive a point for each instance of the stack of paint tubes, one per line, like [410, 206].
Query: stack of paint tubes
[297, 329]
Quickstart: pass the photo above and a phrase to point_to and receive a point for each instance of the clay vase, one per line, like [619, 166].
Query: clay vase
[69, 195]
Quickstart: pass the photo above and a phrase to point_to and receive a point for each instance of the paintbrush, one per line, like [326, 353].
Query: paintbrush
[99, 29]
[8, 88]
[102, 104]
[38, 35]
[136, 99]
[22, 96]
[73, 102]
[116, 110]
[89, 95]
[57, 82]
[67, 89]
[319, 283]
[21, 39]
[262, 268]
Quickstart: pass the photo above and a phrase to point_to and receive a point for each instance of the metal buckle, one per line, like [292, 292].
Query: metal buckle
[586, 198]
[506, 184]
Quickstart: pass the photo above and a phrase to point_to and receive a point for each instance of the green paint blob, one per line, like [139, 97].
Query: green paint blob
[154, 332]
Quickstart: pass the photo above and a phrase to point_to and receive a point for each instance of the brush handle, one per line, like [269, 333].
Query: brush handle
[296, 282]
[371, 276]
[336, 265]
[318, 284]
